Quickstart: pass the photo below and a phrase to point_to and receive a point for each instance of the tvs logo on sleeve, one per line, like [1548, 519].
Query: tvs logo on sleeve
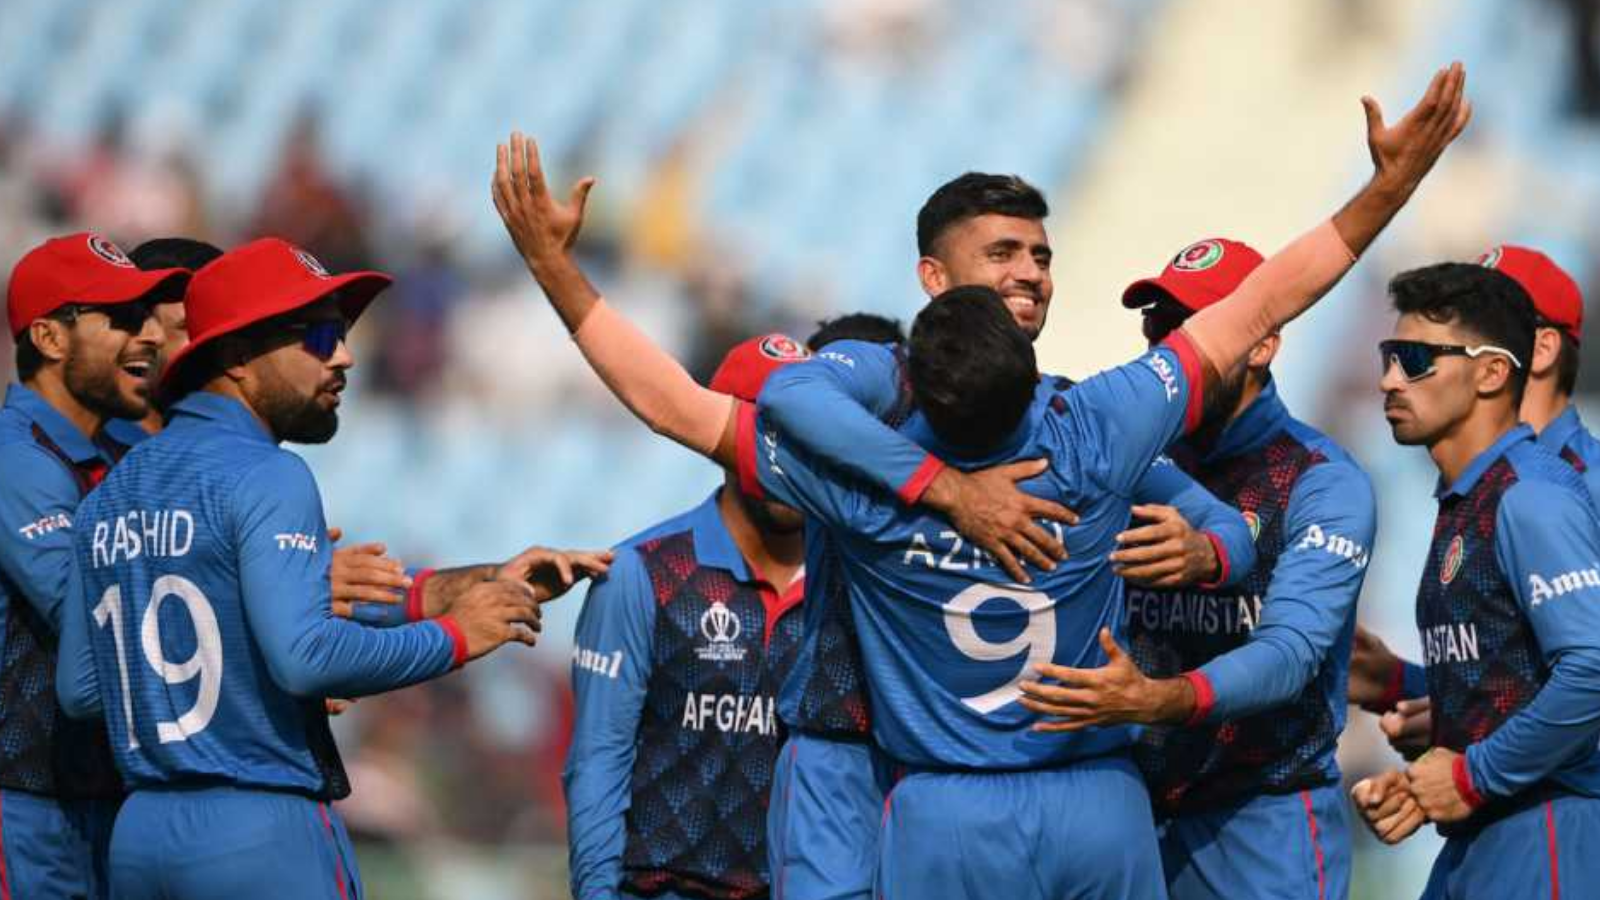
[1198, 257]
[1454, 555]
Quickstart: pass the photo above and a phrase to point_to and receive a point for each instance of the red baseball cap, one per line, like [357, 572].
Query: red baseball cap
[1200, 275]
[1555, 295]
[78, 268]
[264, 278]
[745, 369]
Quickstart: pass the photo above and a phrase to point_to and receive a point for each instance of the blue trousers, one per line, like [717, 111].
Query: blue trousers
[223, 843]
[54, 849]
[1082, 832]
[1545, 851]
[1270, 847]
[823, 818]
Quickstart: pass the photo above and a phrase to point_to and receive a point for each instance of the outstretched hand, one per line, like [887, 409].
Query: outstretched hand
[552, 573]
[540, 225]
[1404, 152]
[989, 510]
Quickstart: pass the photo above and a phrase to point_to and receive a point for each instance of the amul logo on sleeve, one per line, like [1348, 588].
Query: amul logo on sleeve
[721, 628]
[1198, 257]
[1454, 556]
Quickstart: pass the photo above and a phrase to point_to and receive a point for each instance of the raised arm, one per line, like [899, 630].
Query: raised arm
[1293, 279]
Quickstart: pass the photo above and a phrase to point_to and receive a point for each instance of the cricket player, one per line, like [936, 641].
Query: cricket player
[1506, 605]
[1398, 690]
[1266, 663]
[943, 689]
[680, 653]
[199, 626]
[86, 341]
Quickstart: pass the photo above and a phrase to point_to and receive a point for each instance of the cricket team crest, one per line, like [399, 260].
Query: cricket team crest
[312, 264]
[1198, 257]
[1454, 555]
[1254, 522]
[109, 252]
[783, 348]
[1491, 260]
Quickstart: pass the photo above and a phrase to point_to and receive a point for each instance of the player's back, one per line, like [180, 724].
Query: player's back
[187, 693]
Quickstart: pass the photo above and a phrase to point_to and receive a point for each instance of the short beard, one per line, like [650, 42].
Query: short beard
[294, 418]
[96, 388]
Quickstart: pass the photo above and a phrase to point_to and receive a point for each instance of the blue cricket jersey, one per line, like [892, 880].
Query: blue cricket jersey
[200, 621]
[945, 638]
[1269, 660]
[1509, 611]
[854, 400]
[1567, 437]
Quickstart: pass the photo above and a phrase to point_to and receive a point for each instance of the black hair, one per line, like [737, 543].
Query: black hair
[172, 253]
[1567, 363]
[859, 326]
[976, 194]
[971, 367]
[1487, 303]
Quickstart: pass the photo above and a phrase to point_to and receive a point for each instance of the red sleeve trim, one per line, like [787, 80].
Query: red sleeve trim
[1193, 375]
[1205, 698]
[1394, 691]
[414, 605]
[1463, 778]
[1222, 561]
[747, 451]
[457, 637]
[917, 484]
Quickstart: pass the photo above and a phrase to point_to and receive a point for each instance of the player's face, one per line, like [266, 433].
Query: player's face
[1006, 253]
[111, 357]
[296, 390]
[175, 329]
[1427, 410]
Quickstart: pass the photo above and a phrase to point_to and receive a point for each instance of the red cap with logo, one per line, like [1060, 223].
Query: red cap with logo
[1555, 295]
[1200, 275]
[745, 369]
[264, 278]
[78, 268]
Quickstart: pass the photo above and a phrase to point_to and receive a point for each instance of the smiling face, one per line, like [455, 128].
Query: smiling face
[108, 356]
[1007, 253]
[294, 391]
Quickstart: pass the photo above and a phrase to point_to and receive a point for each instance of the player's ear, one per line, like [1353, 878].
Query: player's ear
[933, 275]
[50, 338]
[1494, 373]
[1546, 351]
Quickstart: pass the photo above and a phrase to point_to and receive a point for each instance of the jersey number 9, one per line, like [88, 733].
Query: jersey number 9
[1038, 638]
[206, 663]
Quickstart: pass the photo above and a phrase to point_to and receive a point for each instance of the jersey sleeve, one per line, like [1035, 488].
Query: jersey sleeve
[1547, 544]
[1166, 484]
[778, 469]
[38, 498]
[1330, 525]
[833, 406]
[283, 570]
[77, 681]
[405, 608]
[1125, 417]
[611, 666]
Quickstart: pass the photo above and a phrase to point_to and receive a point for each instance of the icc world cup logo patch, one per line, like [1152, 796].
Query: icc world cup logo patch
[721, 628]
[109, 252]
[1454, 555]
[783, 348]
[1198, 257]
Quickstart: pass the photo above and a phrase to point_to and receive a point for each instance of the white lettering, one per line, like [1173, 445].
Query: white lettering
[1193, 613]
[1541, 589]
[154, 533]
[730, 713]
[919, 549]
[1334, 545]
[1169, 381]
[1451, 643]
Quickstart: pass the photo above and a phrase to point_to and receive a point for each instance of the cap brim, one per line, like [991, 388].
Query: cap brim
[126, 287]
[356, 290]
[1148, 291]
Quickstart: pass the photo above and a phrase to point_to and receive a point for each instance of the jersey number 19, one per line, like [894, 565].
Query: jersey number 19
[206, 663]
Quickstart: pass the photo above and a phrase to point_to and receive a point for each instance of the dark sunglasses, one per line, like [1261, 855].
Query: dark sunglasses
[1418, 359]
[320, 339]
[128, 317]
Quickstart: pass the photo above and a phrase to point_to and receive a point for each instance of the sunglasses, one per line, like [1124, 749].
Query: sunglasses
[1419, 359]
[127, 317]
[320, 339]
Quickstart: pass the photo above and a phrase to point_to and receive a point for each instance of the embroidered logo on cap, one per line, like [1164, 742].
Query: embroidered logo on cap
[1491, 260]
[311, 263]
[1198, 257]
[109, 252]
[783, 348]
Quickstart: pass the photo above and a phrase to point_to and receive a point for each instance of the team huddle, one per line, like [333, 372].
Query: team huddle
[949, 628]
